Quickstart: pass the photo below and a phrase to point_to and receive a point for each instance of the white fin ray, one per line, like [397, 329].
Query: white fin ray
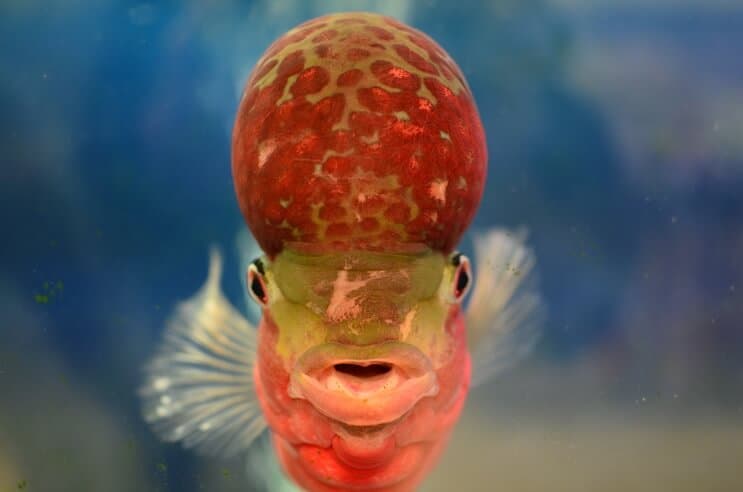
[247, 251]
[505, 310]
[199, 385]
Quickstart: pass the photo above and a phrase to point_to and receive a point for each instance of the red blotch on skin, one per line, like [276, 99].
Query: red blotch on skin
[357, 54]
[415, 59]
[325, 36]
[275, 48]
[369, 224]
[399, 213]
[438, 57]
[364, 123]
[264, 69]
[444, 69]
[329, 111]
[428, 45]
[370, 205]
[341, 141]
[393, 76]
[309, 147]
[405, 129]
[274, 212]
[443, 94]
[303, 33]
[349, 77]
[307, 193]
[284, 183]
[337, 191]
[311, 80]
[322, 50]
[380, 33]
[292, 64]
[338, 230]
[296, 215]
[376, 99]
[338, 166]
[411, 166]
[268, 96]
[296, 115]
[332, 212]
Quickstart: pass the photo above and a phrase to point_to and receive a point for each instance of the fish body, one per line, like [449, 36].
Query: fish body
[359, 161]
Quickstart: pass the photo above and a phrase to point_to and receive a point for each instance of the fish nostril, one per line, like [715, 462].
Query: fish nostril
[363, 371]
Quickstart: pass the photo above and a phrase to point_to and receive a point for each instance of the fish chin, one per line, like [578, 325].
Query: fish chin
[363, 387]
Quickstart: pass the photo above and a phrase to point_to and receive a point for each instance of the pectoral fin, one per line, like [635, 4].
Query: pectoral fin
[504, 313]
[199, 386]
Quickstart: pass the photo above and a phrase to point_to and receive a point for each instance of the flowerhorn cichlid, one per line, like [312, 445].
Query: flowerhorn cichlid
[359, 161]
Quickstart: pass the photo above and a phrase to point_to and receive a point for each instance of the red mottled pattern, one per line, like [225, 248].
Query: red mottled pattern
[357, 131]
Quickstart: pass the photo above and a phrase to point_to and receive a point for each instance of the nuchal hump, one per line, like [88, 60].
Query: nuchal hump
[356, 131]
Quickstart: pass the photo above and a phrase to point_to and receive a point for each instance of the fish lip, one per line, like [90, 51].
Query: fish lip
[363, 402]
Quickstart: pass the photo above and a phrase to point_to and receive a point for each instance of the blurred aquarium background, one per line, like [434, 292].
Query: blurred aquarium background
[615, 132]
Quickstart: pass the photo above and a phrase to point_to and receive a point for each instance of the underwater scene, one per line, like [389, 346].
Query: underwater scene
[281, 245]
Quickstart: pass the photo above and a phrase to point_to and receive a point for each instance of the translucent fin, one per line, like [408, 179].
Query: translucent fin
[199, 385]
[247, 251]
[263, 469]
[505, 312]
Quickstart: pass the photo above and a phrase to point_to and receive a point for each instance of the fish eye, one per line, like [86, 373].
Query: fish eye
[257, 282]
[462, 276]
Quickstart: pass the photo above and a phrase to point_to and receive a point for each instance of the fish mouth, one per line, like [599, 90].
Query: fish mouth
[363, 386]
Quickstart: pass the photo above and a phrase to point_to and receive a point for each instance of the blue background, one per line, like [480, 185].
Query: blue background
[615, 135]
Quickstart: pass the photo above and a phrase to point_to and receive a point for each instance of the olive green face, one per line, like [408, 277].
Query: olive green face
[360, 298]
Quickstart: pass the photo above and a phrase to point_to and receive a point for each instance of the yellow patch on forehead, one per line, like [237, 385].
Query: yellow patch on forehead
[358, 285]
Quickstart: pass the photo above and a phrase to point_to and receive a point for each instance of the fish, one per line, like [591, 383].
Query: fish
[358, 161]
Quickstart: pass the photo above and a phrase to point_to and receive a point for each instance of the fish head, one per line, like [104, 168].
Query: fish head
[368, 348]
